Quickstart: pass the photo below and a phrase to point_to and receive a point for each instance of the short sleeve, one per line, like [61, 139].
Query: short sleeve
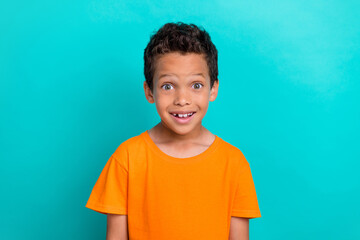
[245, 203]
[109, 195]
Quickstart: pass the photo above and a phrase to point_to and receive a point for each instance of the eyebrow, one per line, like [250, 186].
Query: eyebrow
[195, 74]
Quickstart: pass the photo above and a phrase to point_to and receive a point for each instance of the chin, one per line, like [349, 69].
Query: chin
[177, 130]
[185, 132]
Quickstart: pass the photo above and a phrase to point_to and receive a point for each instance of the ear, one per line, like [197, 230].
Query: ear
[148, 94]
[214, 91]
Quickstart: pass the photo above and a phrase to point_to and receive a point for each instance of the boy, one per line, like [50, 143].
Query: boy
[177, 180]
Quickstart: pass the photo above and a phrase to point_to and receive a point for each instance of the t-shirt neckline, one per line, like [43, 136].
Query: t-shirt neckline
[163, 155]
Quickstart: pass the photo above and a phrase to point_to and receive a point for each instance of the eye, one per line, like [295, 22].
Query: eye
[166, 86]
[198, 85]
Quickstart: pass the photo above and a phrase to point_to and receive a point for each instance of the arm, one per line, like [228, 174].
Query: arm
[239, 228]
[117, 227]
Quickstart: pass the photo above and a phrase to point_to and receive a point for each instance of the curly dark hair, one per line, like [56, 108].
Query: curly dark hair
[183, 38]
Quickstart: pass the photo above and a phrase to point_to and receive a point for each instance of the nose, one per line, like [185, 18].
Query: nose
[182, 97]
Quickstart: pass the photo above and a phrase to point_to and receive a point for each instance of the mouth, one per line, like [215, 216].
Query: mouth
[183, 115]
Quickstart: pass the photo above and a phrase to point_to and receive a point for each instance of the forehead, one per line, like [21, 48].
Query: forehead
[181, 64]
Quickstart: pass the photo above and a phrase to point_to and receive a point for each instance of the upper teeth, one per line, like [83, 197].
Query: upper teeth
[183, 115]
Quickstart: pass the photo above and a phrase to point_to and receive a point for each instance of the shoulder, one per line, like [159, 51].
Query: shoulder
[232, 152]
[127, 150]
[129, 145]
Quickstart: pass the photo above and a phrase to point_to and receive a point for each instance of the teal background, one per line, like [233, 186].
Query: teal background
[71, 75]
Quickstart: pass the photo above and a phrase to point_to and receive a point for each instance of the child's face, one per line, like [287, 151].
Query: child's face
[181, 85]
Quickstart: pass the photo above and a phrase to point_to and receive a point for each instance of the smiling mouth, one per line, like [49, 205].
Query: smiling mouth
[186, 115]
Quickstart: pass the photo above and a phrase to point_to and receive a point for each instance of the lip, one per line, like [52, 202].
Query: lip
[182, 112]
[182, 120]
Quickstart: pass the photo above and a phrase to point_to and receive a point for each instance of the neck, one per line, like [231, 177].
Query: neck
[166, 134]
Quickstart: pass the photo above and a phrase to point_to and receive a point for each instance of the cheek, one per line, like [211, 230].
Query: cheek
[202, 98]
[203, 101]
[161, 103]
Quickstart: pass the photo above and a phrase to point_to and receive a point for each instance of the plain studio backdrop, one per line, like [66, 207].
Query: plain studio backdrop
[71, 75]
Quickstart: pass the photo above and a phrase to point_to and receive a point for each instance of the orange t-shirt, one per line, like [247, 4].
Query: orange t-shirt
[176, 198]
